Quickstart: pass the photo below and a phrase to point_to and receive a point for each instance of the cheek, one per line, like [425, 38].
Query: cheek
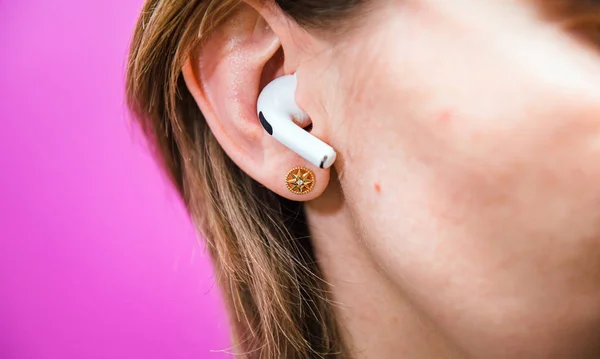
[480, 130]
[478, 185]
[490, 157]
[501, 221]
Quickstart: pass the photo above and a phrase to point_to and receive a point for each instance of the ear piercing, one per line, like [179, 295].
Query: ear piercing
[300, 180]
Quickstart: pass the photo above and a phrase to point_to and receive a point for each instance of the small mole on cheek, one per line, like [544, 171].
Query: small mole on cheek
[377, 187]
[445, 116]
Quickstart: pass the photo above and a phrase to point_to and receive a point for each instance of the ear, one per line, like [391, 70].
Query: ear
[225, 76]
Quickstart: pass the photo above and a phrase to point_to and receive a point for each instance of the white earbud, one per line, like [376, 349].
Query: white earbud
[276, 110]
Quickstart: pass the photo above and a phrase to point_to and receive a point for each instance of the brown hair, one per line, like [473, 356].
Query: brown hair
[259, 242]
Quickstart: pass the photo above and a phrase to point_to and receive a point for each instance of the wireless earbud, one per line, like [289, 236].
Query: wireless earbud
[276, 110]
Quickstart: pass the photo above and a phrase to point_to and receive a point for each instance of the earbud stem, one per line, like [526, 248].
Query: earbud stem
[276, 108]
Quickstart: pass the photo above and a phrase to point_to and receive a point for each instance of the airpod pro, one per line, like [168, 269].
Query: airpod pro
[276, 110]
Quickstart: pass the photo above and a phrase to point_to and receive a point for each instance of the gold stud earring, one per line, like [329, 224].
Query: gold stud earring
[300, 180]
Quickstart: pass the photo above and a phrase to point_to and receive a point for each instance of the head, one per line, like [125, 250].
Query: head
[467, 135]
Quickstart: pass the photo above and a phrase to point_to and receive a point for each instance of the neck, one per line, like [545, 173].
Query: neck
[376, 320]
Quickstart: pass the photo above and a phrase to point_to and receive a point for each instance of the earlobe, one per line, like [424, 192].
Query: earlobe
[225, 76]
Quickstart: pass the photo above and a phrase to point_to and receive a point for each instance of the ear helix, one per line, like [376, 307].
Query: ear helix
[276, 110]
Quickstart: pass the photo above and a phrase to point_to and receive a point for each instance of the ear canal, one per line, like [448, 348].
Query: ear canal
[276, 110]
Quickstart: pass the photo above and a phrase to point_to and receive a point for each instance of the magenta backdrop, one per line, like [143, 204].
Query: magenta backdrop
[97, 256]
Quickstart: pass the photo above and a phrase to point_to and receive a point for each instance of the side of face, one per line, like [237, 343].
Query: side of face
[469, 150]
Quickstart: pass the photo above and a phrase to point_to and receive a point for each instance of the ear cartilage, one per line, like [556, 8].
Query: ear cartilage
[276, 110]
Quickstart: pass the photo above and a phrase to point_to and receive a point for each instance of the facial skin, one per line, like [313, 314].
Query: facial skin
[463, 214]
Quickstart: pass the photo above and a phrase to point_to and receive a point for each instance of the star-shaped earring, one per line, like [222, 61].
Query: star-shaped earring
[300, 180]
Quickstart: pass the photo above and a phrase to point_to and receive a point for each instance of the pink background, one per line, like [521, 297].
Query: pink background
[97, 256]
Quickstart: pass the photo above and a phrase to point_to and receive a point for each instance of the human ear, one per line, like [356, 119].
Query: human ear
[226, 74]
